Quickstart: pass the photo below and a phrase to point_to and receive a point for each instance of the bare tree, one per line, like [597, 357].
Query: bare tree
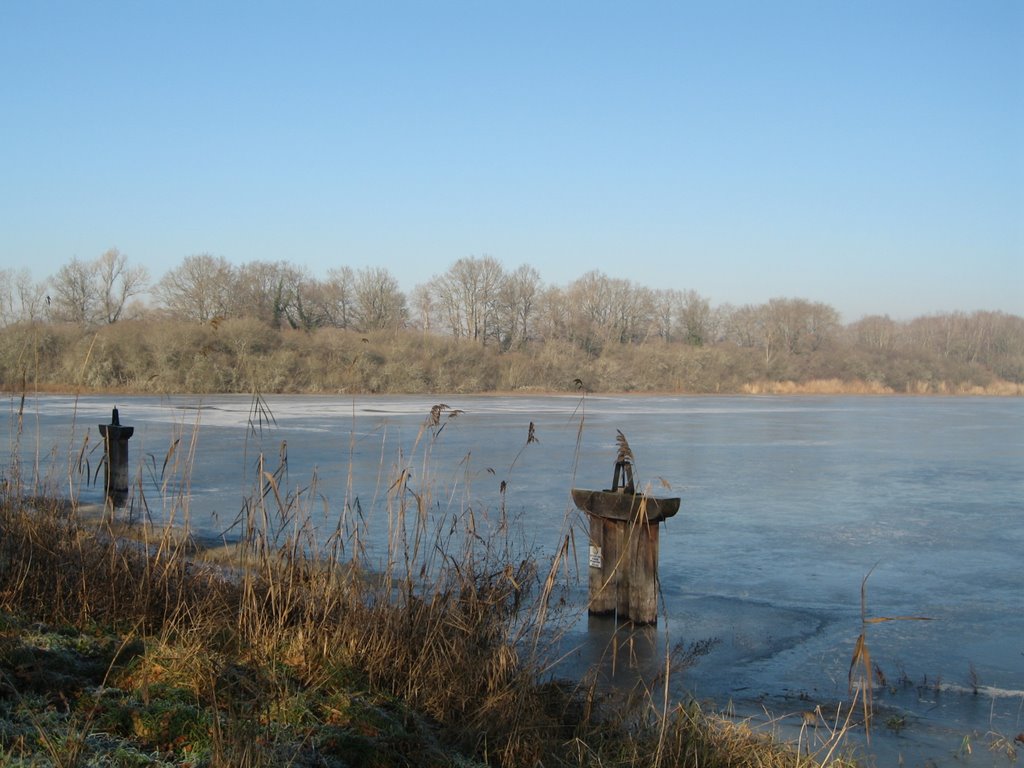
[697, 319]
[94, 292]
[338, 296]
[793, 326]
[978, 337]
[632, 311]
[799, 325]
[379, 303]
[745, 327]
[269, 291]
[876, 332]
[605, 310]
[1006, 337]
[308, 303]
[468, 297]
[424, 307]
[307, 310]
[589, 310]
[116, 282]
[31, 296]
[75, 298]
[553, 315]
[198, 289]
[21, 299]
[9, 311]
[517, 300]
[667, 302]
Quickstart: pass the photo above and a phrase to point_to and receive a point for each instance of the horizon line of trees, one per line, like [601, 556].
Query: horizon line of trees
[477, 300]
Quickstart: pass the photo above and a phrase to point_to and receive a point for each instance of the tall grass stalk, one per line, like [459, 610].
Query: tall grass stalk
[861, 672]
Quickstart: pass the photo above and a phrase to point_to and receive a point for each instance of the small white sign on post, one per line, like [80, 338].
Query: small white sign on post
[595, 556]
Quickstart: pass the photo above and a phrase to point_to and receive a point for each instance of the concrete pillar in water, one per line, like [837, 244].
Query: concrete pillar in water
[115, 438]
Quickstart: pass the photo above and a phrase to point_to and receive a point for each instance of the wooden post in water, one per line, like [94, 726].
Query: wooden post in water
[643, 571]
[115, 438]
[623, 562]
[603, 553]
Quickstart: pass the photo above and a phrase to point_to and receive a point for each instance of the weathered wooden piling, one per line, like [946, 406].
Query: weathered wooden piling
[115, 438]
[623, 555]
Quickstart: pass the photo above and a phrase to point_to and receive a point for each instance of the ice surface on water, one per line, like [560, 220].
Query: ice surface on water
[788, 503]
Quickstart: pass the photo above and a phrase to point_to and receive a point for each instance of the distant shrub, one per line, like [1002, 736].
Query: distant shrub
[162, 355]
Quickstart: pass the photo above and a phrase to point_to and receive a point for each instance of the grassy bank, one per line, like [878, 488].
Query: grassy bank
[238, 356]
[132, 645]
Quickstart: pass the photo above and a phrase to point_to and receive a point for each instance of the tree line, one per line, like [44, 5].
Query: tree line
[208, 325]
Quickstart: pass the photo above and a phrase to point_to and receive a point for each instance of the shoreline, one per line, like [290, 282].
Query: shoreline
[821, 387]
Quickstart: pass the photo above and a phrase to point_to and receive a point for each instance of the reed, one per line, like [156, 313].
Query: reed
[289, 646]
[862, 672]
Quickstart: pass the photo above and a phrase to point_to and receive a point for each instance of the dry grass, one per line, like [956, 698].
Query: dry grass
[859, 387]
[862, 670]
[993, 389]
[160, 356]
[816, 387]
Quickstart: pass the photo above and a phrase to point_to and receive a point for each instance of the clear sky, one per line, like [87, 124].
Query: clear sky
[866, 154]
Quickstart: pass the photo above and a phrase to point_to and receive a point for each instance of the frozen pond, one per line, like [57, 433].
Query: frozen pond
[787, 505]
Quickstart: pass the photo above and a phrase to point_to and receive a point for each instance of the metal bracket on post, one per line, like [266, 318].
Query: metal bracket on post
[623, 472]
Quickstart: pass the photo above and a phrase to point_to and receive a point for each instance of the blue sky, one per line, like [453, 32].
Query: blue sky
[866, 154]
